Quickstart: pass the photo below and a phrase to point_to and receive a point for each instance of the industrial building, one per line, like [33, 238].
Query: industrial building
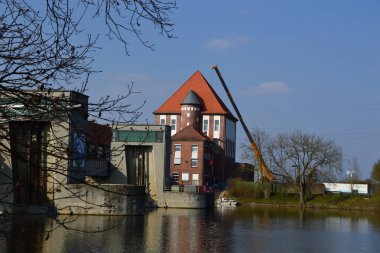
[52, 159]
[203, 133]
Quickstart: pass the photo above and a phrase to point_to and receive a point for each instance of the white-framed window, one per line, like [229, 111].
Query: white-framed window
[173, 124]
[177, 154]
[194, 155]
[217, 127]
[195, 179]
[217, 124]
[205, 124]
[185, 176]
[162, 119]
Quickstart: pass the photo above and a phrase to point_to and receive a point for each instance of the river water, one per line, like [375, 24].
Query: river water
[241, 229]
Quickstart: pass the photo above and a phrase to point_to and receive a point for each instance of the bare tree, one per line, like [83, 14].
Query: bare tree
[302, 158]
[375, 176]
[45, 50]
[45, 45]
[262, 139]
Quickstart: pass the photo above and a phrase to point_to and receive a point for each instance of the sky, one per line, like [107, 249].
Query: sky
[290, 65]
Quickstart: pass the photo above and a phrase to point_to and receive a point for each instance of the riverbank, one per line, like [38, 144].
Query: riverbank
[328, 201]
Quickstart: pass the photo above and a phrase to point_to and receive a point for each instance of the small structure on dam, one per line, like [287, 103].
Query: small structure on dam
[142, 157]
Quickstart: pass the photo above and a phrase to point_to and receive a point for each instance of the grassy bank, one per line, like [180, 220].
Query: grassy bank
[251, 194]
[328, 201]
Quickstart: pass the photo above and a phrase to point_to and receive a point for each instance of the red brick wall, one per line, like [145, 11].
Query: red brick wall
[219, 161]
[185, 165]
[193, 119]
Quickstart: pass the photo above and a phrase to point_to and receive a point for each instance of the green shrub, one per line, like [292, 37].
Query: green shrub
[238, 188]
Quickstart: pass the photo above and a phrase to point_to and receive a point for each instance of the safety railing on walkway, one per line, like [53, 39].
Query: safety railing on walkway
[188, 188]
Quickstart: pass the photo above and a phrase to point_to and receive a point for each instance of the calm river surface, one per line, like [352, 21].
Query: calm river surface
[178, 230]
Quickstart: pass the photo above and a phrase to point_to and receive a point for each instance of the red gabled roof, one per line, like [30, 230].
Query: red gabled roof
[212, 102]
[190, 133]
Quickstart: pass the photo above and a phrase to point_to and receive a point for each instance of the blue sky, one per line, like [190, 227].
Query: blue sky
[305, 65]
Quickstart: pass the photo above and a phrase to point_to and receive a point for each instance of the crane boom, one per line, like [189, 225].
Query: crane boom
[256, 151]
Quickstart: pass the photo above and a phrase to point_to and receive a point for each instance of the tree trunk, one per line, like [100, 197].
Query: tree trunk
[302, 194]
[302, 201]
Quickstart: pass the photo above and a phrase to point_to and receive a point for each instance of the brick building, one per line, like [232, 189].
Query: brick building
[203, 133]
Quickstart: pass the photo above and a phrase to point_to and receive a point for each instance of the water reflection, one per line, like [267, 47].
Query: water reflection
[180, 230]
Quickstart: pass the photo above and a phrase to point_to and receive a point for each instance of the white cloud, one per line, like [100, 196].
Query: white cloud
[275, 87]
[218, 44]
[227, 43]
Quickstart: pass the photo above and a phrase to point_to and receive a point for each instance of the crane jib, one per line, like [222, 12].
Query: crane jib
[256, 150]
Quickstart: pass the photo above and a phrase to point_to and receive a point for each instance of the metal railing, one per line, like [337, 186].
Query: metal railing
[187, 188]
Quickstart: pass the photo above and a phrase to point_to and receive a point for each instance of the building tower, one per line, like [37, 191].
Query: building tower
[191, 110]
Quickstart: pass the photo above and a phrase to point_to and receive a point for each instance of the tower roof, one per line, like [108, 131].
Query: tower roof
[192, 99]
[212, 104]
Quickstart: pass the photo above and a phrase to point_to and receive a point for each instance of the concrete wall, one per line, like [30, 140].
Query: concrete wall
[158, 162]
[58, 146]
[102, 200]
[183, 200]
[158, 170]
[61, 170]
[346, 188]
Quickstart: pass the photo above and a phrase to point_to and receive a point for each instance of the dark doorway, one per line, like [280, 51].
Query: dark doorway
[138, 164]
[29, 158]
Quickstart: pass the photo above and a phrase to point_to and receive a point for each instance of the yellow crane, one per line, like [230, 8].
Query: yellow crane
[262, 166]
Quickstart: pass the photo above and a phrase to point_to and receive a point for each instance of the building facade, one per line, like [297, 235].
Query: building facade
[203, 133]
[53, 159]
